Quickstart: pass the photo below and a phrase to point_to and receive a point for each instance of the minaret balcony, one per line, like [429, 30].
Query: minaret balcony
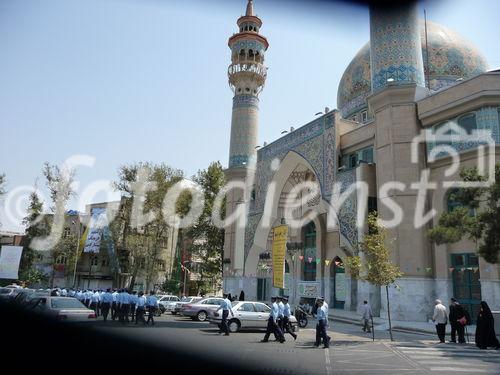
[247, 70]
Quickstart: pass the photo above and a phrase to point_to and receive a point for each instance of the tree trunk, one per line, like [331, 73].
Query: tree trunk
[389, 311]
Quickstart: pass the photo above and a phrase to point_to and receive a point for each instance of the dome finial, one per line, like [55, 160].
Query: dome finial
[249, 8]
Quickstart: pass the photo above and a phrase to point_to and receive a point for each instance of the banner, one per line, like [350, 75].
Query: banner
[280, 236]
[309, 289]
[94, 236]
[9, 261]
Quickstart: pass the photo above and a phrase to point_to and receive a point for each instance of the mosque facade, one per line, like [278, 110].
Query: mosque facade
[410, 82]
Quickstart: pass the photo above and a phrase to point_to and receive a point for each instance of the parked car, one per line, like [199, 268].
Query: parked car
[247, 315]
[62, 308]
[199, 310]
[183, 301]
[8, 293]
[168, 302]
[24, 296]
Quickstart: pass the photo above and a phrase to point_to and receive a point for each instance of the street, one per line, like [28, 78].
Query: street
[351, 350]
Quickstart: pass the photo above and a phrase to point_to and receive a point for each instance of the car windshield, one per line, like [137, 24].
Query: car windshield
[185, 299]
[66, 303]
[5, 291]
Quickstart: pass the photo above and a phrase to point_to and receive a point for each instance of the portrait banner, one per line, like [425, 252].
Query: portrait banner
[280, 236]
[10, 257]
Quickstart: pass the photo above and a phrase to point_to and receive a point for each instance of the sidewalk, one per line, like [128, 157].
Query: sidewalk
[383, 323]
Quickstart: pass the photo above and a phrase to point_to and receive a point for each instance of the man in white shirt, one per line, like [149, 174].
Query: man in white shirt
[114, 305]
[367, 315]
[440, 318]
[141, 308]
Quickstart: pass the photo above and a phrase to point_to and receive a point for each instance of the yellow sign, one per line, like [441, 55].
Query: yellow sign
[279, 247]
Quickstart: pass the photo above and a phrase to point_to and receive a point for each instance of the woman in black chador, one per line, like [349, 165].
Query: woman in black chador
[485, 331]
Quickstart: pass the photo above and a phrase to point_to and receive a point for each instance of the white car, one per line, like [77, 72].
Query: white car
[168, 302]
[178, 306]
[247, 314]
[62, 308]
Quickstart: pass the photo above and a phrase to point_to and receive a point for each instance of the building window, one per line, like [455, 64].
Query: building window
[468, 122]
[94, 261]
[105, 262]
[364, 116]
[452, 201]
[62, 259]
[67, 232]
[372, 204]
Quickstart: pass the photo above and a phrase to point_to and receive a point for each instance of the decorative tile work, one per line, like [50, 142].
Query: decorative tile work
[487, 118]
[247, 45]
[450, 57]
[244, 130]
[348, 211]
[245, 101]
[395, 46]
[250, 229]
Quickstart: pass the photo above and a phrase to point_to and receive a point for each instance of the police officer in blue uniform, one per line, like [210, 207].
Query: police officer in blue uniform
[272, 323]
[321, 326]
[286, 319]
[226, 307]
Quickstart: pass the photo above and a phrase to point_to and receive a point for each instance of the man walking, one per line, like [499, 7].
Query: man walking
[226, 307]
[367, 317]
[272, 325]
[124, 299]
[440, 318]
[457, 318]
[141, 309]
[152, 305]
[107, 299]
[286, 319]
[133, 304]
[281, 307]
[114, 304]
[321, 326]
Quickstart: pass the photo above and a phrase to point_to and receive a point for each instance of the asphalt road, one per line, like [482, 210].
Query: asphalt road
[351, 350]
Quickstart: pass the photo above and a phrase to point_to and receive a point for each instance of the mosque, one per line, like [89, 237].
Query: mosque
[409, 78]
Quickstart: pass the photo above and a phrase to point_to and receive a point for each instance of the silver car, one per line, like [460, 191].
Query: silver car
[62, 308]
[247, 315]
[199, 310]
[168, 302]
[178, 306]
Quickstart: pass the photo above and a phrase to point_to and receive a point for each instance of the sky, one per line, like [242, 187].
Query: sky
[125, 81]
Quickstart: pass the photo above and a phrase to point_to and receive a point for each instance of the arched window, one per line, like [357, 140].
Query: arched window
[468, 122]
[310, 252]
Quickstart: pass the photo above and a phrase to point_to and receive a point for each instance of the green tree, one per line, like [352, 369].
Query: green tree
[376, 267]
[37, 224]
[143, 245]
[208, 240]
[476, 217]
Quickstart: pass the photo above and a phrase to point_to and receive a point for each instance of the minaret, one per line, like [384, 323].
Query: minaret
[247, 76]
[397, 83]
[395, 47]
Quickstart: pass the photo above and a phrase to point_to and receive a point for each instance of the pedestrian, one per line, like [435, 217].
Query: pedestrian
[94, 301]
[125, 306]
[367, 317]
[286, 319]
[272, 323]
[242, 296]
[226, 308]
[114, 305]
[281, 308]
[440, 318]
[141, 308]
[485, 329]
[152, 305]
[458, 320]
[107, 300]
[133, 304]
[321, 322]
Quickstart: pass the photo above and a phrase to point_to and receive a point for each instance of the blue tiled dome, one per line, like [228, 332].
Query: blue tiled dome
[450, 57]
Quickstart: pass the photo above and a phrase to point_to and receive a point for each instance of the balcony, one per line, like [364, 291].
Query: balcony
[247, 70]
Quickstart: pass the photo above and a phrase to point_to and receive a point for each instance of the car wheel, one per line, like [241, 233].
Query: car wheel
[201, 316]
[157, 312]
[234, 326]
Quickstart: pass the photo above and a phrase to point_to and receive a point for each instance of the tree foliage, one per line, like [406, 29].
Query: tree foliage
[477, 218]
[207, 239]
[143, 244]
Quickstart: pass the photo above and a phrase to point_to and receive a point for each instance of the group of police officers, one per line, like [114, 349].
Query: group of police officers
[123, 304]
[279, 320]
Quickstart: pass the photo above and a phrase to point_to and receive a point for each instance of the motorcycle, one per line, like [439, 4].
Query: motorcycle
[301, 317]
